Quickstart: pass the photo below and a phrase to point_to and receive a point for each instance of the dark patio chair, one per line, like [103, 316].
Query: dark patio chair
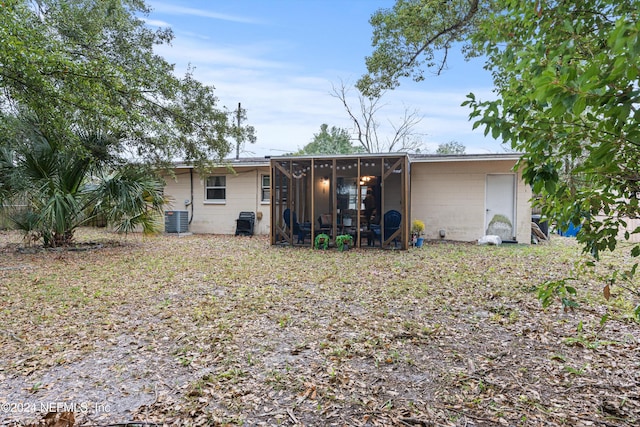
[391, 221]
[324, 224]
[302, 231]
[245, 223]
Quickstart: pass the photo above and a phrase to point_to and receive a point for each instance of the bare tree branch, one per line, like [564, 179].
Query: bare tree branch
[366, 127]
[341, 94]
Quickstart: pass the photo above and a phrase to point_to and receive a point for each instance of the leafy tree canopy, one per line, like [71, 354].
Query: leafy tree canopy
[416, 35]
[330, 141]
[567, 76]
[85, 105]
[451, 147]
[74, 63]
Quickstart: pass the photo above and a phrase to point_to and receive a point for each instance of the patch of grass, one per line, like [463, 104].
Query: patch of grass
[233, 375]
[574, 371]
[284, 321]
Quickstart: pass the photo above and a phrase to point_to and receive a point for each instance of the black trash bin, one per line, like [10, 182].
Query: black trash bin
[245, 223]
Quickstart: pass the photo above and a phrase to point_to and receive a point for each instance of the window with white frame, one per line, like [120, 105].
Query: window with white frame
[266, 188]
[216, 188]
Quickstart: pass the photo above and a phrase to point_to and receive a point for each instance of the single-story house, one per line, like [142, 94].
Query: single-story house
[458, 197]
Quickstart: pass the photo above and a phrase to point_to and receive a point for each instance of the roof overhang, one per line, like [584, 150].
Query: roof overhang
[413, 158]
[233, 163]
[443, 158]
[340, 156]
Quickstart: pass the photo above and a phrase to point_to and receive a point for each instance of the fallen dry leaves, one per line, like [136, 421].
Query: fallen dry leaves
[222, 330]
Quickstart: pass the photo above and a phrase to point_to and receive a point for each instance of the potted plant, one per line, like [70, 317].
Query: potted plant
[343, 241]
[417, 231]
[321, 241]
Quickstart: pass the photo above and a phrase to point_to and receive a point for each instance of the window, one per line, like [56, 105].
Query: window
[266, 188]
[347, 193]
[216, 189]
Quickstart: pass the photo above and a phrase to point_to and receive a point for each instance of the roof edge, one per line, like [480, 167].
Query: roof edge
[439, 158]
[413, 158]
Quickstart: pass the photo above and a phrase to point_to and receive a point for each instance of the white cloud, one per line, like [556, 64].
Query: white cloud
[206, 56]
[181, 10]
[155, 22]
[287, 114]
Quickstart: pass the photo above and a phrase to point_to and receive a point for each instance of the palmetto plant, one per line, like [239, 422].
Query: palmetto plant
[60, 190]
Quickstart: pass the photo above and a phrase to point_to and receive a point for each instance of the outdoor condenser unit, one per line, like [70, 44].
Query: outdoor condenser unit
[176, 221]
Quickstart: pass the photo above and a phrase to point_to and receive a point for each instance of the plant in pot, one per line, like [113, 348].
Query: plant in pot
[343, 241]
[321, 241]
[417, 232]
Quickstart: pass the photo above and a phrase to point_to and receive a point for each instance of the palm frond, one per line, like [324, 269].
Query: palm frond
[131, 198]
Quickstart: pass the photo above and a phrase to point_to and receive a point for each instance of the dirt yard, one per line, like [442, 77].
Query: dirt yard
[223, 330]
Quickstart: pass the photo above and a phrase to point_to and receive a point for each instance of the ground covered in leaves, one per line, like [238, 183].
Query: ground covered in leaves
[222, 330]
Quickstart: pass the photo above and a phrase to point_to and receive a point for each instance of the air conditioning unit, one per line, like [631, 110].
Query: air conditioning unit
[176, 221]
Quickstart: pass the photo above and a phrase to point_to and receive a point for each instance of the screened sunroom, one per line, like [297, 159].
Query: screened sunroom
[365, 196]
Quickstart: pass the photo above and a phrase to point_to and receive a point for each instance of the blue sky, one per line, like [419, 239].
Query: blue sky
[280, 58]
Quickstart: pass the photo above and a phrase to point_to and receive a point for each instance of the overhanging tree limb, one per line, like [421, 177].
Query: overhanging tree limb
[566, 75]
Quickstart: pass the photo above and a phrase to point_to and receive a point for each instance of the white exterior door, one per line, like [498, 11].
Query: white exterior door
[500, 205]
